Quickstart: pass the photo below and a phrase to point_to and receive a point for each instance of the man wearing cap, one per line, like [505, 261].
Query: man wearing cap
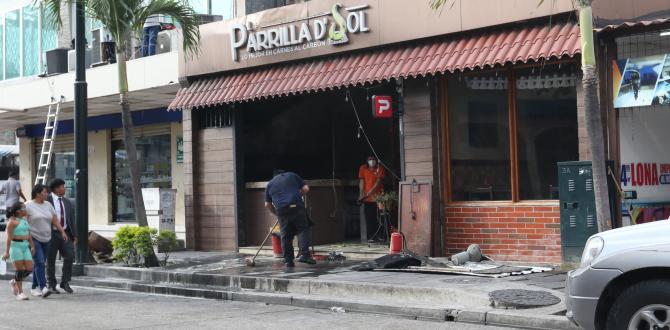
[370, 184]
[283, 198]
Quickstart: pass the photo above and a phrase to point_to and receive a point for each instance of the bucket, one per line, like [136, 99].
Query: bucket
[396, 243]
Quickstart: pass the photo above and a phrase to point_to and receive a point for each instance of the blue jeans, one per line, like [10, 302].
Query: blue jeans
[149, 42]
[39, 264]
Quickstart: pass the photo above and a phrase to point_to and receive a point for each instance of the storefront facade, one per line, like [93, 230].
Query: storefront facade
[637, 97]
[483, 110]
[158, 132]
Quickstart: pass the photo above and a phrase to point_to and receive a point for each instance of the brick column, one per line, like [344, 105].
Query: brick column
[189, 210]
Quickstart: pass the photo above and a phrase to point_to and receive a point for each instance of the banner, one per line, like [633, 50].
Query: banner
[641, 81]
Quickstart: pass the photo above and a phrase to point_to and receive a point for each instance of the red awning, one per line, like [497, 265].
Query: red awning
[481, 50]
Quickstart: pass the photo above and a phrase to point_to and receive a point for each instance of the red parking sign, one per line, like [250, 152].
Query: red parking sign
[382, 106]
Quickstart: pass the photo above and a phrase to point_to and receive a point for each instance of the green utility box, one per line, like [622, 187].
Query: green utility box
[578, 206]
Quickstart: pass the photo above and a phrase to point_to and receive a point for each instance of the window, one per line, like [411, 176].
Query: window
[479, 137]
[2, 48]
[225, 8]
[156, 168]
[31, 47]
[544, 113]
[12, 44]
[49, 35]
[200, 6]
[546, 106]
[62, 166]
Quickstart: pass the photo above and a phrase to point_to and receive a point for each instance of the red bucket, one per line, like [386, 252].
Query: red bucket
[396, 243]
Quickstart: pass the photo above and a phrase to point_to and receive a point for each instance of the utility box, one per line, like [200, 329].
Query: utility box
[159, 204]
[578, 206]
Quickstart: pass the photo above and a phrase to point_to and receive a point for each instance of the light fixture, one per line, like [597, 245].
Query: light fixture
[665, 33]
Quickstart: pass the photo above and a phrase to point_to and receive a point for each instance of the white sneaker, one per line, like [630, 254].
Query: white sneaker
[12, 286]
[36, 292]
[46, 292]
[21, 296]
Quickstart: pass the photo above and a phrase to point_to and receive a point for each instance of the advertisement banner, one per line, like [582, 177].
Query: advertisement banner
[641, 81]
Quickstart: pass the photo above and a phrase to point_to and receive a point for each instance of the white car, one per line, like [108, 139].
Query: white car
[623, 281]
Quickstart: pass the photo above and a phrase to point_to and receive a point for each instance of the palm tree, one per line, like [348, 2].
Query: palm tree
[122, 18]
[592, 116]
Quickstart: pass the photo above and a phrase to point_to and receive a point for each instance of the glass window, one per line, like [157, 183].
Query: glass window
[13, 44]
[49, 34]
[156, 167]
[2, 48]
[546, 105]
[62, 166]
[31, 48]
[200, 6]
[479, 137]
[225, 8]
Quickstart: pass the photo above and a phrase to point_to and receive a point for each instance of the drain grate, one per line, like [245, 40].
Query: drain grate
[512, 298]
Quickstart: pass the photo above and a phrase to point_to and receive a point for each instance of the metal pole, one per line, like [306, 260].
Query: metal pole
[81, 140]
[401, 125]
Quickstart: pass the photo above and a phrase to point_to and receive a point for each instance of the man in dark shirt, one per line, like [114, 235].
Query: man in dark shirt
[283, 198]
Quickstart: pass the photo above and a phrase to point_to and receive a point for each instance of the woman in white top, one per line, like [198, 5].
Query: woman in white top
[42, 218]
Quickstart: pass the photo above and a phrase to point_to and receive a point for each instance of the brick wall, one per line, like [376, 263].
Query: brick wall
[506, 233]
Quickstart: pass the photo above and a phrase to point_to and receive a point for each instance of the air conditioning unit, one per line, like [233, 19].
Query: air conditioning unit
[166, 41]
[100, 37]
[72, 62]
[56, 60]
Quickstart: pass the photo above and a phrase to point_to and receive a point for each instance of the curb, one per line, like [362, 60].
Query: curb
[500, 318]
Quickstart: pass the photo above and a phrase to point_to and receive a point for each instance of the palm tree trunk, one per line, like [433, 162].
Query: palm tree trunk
[593, 119]
[129, 141]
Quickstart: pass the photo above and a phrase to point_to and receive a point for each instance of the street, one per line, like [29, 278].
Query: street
[107, 309]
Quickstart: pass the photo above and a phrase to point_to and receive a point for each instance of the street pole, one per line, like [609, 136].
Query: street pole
[81, 140]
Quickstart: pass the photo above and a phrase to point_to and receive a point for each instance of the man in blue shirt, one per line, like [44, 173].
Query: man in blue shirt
[283, 198]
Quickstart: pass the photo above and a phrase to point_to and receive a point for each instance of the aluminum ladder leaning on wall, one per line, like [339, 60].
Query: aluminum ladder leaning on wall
[48, 141]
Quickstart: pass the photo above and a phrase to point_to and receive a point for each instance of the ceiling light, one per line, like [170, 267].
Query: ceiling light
[665, 33]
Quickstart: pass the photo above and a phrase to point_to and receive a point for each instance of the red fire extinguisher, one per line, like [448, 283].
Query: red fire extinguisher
[396, 243]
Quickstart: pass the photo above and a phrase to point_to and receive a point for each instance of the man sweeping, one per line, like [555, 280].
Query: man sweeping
[283, 198]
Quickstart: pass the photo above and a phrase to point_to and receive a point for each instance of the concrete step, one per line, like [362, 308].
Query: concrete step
[377, 306]
[307, 286]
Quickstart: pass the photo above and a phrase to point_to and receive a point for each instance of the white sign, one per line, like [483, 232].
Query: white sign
[330, 28]
[159, 204]
[645, 160]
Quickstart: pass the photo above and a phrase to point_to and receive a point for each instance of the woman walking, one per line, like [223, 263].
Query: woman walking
[20, 248]
[41, 218]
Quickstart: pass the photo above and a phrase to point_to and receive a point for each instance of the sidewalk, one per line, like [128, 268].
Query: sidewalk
[326, 285]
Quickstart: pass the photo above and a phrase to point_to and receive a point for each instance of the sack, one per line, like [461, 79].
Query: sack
[3, 266]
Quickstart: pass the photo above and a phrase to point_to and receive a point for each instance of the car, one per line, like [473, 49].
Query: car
[623, 280]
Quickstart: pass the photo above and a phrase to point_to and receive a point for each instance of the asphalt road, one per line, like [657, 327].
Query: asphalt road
[106, 309]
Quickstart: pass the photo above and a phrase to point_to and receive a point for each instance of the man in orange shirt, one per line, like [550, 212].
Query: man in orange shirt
[370, 184]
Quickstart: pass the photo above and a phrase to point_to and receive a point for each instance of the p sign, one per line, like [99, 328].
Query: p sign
[382, 106]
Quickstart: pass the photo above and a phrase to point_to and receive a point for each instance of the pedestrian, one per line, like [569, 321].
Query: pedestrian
[370, 185]
[20, 248]
[41, 217]
[283, 198]
[12, 189]
[65, 213]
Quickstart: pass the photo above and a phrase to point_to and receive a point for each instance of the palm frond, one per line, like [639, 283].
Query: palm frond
[52, 10]
[439, 4]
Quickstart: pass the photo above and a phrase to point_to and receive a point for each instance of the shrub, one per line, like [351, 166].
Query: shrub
[134, 245]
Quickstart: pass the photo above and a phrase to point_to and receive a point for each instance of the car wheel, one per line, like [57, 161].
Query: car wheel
[644, 305]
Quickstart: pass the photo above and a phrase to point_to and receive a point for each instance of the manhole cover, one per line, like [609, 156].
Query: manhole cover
[522, 298]
[467, 280]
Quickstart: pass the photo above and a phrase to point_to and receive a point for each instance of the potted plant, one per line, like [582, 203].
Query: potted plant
[386, 200]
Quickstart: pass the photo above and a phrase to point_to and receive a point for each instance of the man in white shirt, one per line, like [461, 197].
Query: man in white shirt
[65, 214]
[12, 189]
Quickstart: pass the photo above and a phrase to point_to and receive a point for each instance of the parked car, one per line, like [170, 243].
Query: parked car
[623, 281]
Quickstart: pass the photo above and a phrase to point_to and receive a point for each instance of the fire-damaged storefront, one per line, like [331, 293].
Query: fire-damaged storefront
[472, 120]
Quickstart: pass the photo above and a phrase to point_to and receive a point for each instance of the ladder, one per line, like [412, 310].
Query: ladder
[48, 140]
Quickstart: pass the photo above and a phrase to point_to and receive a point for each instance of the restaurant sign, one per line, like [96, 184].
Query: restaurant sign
[326, 29]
